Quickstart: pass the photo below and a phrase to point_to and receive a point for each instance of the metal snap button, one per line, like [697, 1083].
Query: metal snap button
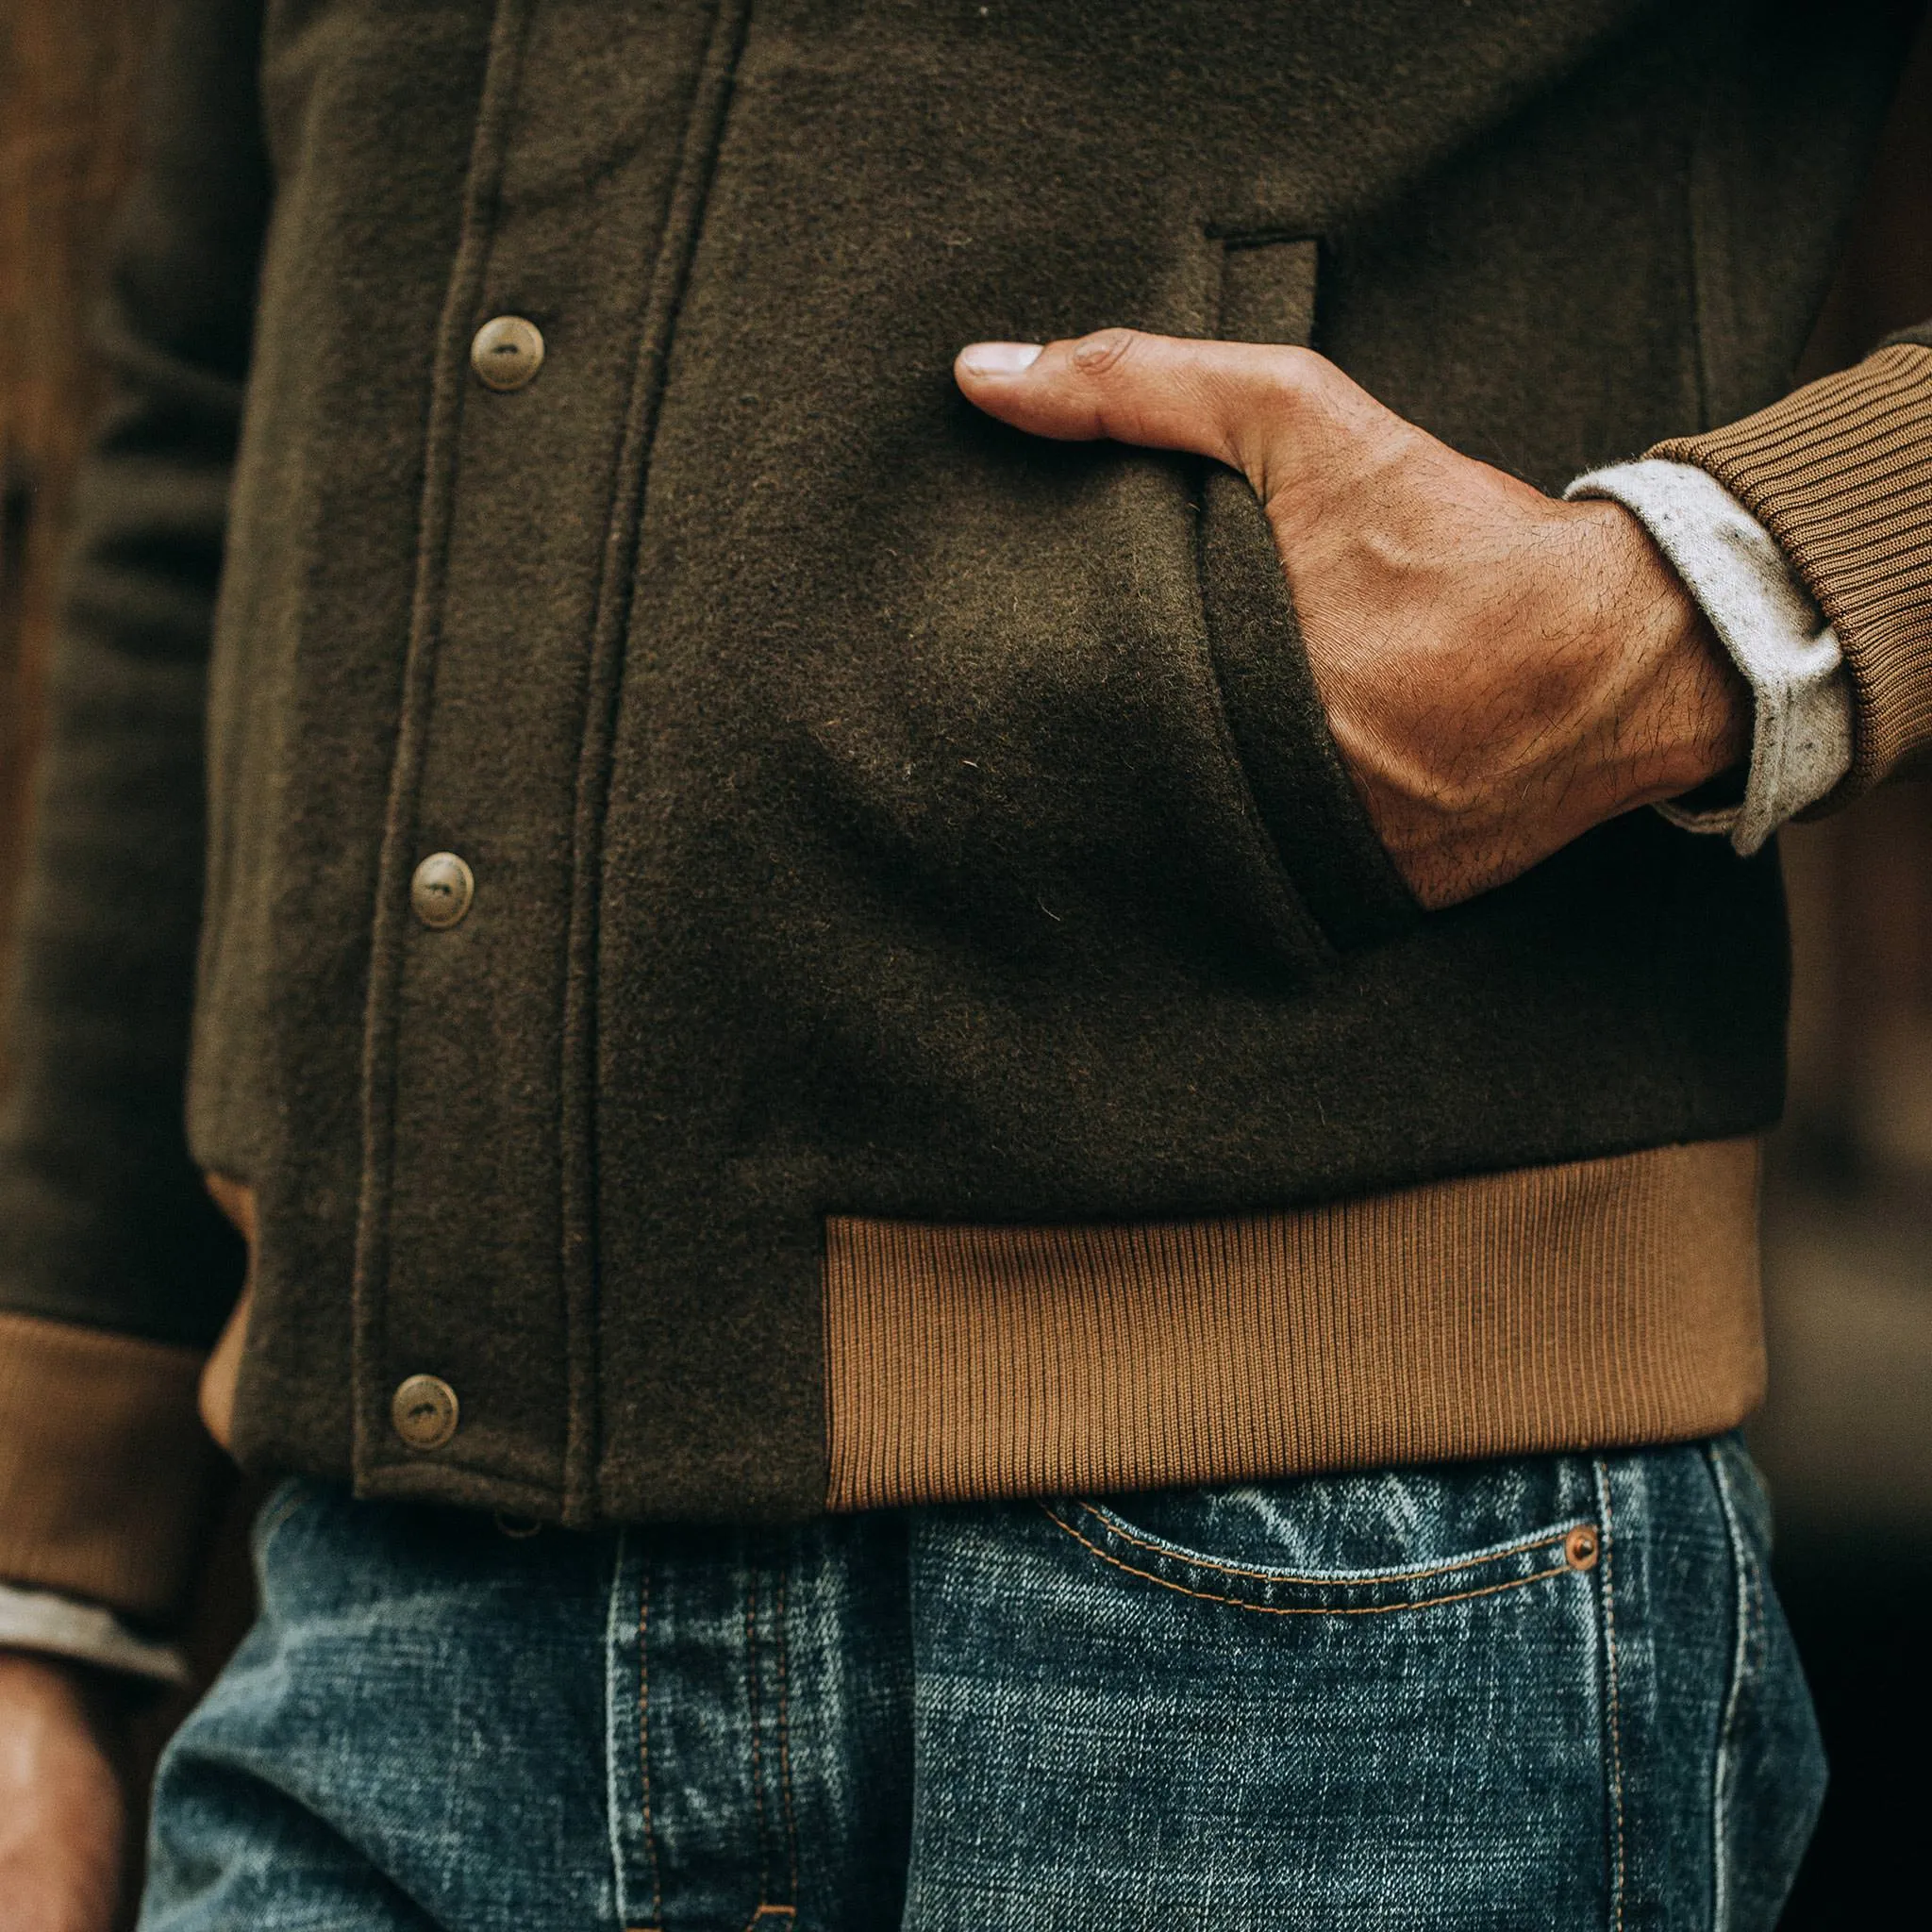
[1581, 1548]
[441, 890]
[425, 1411]
[507, 352]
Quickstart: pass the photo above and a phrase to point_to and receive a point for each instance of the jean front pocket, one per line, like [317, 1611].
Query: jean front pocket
[1552, 1553]
[1353, 1545]
[1375, 1699]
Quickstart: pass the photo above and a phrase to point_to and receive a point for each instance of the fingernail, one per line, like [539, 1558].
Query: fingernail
[999, 358]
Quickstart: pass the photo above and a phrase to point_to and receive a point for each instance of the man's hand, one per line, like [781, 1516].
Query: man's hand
[63, 1814]
[1501, 671]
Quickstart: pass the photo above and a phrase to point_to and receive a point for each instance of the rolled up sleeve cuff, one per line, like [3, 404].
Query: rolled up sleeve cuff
[107, 1476]
[40, 1620]
[1770, 626]
[1841, 474]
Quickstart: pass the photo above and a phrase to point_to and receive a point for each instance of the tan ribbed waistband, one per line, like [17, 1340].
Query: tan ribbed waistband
[1599, 1302]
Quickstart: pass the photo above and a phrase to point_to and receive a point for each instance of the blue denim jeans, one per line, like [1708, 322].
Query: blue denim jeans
[1548, 1692]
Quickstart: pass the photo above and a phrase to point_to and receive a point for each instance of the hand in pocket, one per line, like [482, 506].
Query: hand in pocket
[1502, 670]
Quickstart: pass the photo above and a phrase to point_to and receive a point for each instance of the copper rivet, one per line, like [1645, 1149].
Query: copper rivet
[1580, 1548]
[519, 1528]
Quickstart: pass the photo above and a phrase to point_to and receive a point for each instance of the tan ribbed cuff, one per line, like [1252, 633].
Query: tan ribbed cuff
[107, 1475]
[1840, 474]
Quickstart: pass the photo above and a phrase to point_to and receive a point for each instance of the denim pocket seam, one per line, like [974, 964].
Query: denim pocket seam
[650, 1819]
[1612, 1693]
[1747, 1586]
[1197, 1559]
[1562, 1569]
[784, 1647]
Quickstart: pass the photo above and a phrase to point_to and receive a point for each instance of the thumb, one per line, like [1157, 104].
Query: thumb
[1225, 400]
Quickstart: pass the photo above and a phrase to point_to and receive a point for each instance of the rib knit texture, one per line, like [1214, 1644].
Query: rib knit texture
[106, 1474]
[1602, 1301]
[1841, 474]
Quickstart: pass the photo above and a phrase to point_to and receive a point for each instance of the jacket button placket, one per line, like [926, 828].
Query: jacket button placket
[557, 275]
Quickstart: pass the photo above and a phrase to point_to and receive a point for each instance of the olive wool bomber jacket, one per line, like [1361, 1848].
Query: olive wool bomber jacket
[750, 940]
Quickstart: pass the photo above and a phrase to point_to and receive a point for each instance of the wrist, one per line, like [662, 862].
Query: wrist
[1672, 713]
[65, 1688]
[63, 1805]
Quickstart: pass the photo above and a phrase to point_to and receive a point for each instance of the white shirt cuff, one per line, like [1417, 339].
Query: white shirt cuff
[1801, 745]
[63, 1626]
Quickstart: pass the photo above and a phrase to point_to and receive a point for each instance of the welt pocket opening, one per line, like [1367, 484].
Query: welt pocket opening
[1307, 800]
[1314, 816]
[1269, 285]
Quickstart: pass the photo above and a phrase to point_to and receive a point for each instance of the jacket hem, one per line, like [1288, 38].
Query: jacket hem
[1589, 1304]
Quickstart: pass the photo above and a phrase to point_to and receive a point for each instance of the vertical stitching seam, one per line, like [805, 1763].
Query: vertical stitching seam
[754, 1702]
[785, 1741]
[1760, 1617]
[644, 1737]
[613, 1728]
[604, 685]
[1740, 1666]
[1611, 1695]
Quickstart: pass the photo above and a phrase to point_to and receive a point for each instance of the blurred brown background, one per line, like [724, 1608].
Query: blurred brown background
[1847, 1438]
[69, 76]
[70, 82]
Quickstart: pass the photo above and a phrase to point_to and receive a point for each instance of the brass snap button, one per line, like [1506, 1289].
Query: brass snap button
[507, 352]
[425, 1411]
[441, 890]
[1581, 1549]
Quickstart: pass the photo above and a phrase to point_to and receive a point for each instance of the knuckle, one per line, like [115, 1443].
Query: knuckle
[1105, 350]
[1295, 377]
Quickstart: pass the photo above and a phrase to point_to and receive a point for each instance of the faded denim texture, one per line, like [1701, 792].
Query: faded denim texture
[1548, 1692]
